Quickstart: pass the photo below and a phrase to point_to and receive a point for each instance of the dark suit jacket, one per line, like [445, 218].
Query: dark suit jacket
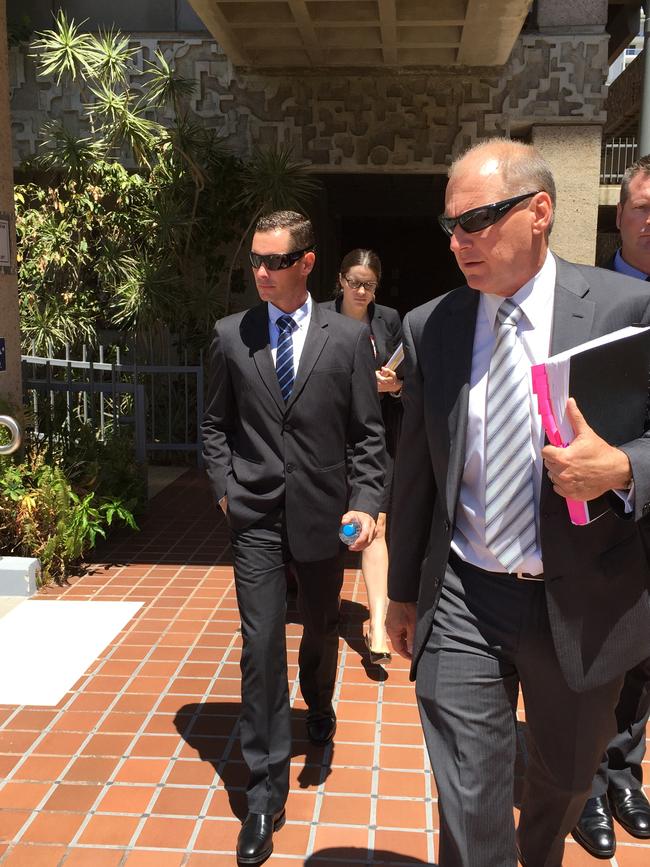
[386, 327]
[264, 455]
[596, 576]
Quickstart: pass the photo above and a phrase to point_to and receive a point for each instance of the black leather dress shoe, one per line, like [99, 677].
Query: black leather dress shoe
[632, 810]
[321, 731]
[595, 828]
[255, 841]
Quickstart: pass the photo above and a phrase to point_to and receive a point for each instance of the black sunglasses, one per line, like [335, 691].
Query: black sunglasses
[477, 219]
[277, 261]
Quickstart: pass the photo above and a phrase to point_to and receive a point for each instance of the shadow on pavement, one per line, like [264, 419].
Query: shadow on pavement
[351, 857]
[212, 729]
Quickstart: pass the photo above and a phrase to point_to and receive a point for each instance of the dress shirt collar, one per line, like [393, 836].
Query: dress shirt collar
[533, 297]
[622, 267]
[300, 316]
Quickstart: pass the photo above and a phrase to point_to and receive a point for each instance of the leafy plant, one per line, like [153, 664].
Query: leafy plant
[56, 503]
[143, 251]
[65, 52]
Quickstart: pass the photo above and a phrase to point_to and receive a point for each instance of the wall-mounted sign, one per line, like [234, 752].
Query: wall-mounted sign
[3, 356]
[6, 264]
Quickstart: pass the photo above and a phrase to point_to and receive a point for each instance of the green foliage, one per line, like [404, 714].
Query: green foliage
[66, 51]
[56, 503]
[145, 250]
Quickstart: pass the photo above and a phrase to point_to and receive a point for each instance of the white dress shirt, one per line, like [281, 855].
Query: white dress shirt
[302, 318]
[536, 299]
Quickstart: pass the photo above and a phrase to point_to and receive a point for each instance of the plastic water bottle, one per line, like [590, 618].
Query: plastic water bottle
[350, 532]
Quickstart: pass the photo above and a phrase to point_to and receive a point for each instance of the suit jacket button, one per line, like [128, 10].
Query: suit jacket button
[646, 508]
[447, 526]
[290, 468]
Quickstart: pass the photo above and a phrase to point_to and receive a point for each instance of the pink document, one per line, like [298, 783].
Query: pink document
[578, 510]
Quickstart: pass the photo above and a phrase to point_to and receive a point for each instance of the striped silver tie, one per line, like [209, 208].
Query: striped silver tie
[510, 531]
[284, 356]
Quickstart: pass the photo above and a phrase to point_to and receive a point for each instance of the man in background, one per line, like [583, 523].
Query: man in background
[617, 787]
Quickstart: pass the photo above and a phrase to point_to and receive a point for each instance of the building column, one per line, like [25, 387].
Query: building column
[573, 153]
[10, 377]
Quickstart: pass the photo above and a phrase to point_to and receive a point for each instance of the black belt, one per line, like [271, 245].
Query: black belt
[455, 560]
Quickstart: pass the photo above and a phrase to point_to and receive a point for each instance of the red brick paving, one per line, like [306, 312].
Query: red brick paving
[139, 764]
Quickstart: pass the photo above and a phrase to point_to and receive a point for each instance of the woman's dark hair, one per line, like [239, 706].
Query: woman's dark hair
[365, 258]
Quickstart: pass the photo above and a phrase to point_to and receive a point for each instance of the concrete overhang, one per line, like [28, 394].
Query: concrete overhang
[364, 33]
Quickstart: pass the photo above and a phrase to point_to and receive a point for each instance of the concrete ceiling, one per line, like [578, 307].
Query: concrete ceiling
[364, 33]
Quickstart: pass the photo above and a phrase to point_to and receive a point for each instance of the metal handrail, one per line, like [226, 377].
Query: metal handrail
[16, 435]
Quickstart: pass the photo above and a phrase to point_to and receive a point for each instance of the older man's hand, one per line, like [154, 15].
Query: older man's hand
[588, 466]
[400, 626]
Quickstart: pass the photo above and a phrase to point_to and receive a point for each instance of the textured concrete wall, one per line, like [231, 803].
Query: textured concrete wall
[410, 122]
[10, 379]
[398, 122]
[574, 155]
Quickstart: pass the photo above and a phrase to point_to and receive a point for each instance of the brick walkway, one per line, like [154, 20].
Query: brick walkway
[139, 765]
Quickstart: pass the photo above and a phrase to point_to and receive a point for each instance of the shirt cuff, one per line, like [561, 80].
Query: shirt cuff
[628, 499]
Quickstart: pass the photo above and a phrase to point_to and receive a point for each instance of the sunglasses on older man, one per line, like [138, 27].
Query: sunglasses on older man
[477, 219]
[277, 261]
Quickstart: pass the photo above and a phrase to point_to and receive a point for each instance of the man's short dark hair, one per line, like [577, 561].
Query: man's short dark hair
[299, 226]
[641, 166]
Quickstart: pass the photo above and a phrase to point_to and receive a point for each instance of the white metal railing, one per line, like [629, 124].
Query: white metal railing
[617, 155]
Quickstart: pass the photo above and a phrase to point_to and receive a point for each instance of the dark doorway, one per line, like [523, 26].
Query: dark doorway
[395, 215]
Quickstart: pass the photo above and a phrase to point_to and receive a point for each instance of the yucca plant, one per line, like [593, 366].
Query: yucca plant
[112, 57]
[165, 86]
[65, 51]
[103, 247]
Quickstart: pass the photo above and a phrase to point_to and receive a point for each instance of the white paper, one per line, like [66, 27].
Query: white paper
[396, 358]
[558, 370]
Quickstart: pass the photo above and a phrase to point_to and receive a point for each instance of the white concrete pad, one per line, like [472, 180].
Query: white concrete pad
[47, 645]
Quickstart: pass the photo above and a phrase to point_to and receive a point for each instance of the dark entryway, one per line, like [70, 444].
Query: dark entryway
[395, 215]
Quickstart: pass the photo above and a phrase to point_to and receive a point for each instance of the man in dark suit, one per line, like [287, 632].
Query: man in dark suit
[291, 390]
[492, 588]
[617, 786]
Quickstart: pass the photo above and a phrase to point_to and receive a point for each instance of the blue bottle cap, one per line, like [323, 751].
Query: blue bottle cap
[349, 529]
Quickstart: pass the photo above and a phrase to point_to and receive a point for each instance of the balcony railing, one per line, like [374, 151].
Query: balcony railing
[617, 155]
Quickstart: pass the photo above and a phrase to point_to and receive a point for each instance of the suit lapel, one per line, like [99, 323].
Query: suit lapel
[573, 316]
[258, 341]
[315, 341]
[573, 312]
[456, 348]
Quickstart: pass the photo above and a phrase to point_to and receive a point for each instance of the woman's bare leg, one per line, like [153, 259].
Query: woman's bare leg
[374, 567]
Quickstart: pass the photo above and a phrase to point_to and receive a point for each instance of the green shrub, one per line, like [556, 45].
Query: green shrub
[56, 503]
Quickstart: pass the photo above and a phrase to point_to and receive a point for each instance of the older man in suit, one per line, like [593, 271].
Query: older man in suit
[291, 392]
[617, 786]
[492, 588]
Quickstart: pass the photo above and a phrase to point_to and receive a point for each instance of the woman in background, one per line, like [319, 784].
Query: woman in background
[358, 279]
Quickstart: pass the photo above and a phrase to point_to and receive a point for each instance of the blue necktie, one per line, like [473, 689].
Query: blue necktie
[284, 356]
